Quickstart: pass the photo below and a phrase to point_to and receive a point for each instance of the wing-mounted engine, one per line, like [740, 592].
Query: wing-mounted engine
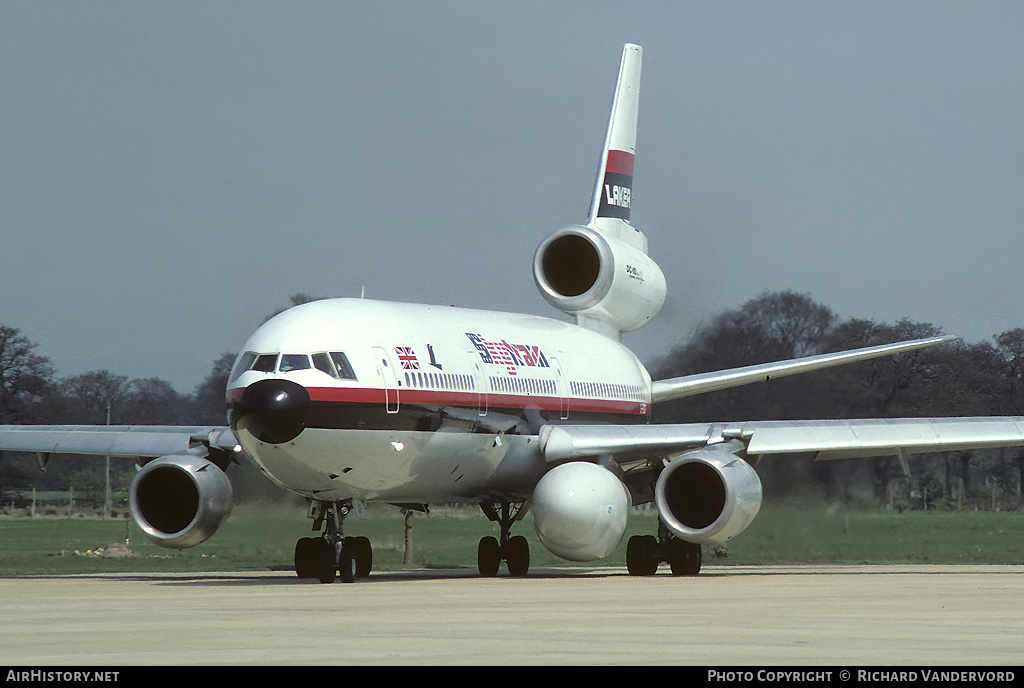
[607, 284]
[708, 496]
[580, 511]
[180, 501]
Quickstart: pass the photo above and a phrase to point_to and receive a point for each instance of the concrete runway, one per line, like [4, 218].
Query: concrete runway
[735, 615]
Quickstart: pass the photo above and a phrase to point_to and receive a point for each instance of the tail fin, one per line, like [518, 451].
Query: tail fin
[601, 274]
[613, 193]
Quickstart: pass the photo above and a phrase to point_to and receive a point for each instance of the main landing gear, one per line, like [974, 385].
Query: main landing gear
[331, 554]
[513, 550]
[645, 552]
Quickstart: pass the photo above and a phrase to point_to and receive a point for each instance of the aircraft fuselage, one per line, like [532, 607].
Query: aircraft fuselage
[352, 398]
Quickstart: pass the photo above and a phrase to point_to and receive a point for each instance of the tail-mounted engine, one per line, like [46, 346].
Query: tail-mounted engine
[180, 501]
[708, 496]
[605, 283]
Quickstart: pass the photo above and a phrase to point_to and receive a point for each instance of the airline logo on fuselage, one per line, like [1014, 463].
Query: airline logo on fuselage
[508, 355]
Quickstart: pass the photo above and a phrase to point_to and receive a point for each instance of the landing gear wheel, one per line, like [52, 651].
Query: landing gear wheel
[642, 555]
[363, 551]
[517, 556]
[304, 567]
[683, 557]
[347, 565]
[488, 557]
[324, 560]
[515, 551]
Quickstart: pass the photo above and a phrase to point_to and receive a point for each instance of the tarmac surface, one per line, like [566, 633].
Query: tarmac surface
[727, 616]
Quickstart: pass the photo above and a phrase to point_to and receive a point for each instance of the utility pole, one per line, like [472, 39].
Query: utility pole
[408, 536]
[106, 489]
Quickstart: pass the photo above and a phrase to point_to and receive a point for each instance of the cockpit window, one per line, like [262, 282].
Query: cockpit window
[290, 362]
[342, 367]
[323, 363]
[334, 364]
[243, 364]
[265, 363]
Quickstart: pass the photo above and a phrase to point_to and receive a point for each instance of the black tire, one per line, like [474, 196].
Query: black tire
[325, 565]
[363, 551]
[517, 556]
[488, 557]
[683, 557]
[347, 565]
[304, 567]
[641, 555]
[364, 556]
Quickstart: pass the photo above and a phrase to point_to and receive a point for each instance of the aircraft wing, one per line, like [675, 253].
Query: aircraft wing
[115, 440]
[689, 385]
[827, 439]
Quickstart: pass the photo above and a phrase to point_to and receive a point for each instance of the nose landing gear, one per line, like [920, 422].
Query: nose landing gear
[332, 555]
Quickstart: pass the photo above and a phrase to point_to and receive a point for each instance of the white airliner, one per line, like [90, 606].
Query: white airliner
[349, 401]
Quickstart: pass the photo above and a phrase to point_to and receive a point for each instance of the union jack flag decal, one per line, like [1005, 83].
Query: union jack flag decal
[407, 357]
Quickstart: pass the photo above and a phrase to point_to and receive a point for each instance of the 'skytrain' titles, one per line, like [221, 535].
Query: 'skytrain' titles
[508, 355]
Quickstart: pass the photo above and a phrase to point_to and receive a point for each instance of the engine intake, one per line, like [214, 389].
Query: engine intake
[594, 277]
[180, 501]
[708, 496]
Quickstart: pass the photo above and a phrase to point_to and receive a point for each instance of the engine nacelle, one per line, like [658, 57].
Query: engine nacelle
[583, 273]
[708, 496]
[180, 501]
[580, 511]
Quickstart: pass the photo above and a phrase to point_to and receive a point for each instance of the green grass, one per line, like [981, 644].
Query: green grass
[817, 534]
[256, 539]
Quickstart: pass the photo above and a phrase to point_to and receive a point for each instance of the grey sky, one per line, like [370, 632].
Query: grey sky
[171, 172]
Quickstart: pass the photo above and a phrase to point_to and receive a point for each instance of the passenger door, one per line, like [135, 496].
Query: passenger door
[389, 378]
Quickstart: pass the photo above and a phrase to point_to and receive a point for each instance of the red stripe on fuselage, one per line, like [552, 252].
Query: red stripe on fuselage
[467, 400]
[475, 400]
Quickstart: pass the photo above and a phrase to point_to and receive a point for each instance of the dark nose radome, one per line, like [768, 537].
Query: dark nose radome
[273, 411]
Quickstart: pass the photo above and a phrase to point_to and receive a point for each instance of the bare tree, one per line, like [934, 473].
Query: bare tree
[90, 398]
[24, 376]
[210, 405]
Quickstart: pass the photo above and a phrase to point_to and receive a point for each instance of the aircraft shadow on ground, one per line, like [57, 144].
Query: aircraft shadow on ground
[287, 578]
